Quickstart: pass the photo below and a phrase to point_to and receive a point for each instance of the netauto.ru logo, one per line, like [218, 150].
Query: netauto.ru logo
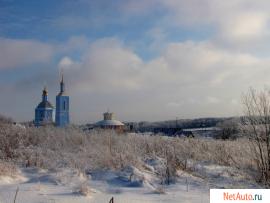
[239, 195]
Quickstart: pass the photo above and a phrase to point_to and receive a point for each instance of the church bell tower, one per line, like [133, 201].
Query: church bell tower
[62, 106]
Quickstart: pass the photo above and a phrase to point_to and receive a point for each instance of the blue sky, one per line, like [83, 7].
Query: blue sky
[143, 59]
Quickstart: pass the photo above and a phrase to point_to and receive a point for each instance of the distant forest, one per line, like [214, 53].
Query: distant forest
[181, 123]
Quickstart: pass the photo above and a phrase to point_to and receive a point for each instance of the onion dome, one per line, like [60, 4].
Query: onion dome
[45, 103]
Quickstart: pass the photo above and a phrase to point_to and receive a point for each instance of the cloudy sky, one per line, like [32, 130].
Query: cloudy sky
[143, 59]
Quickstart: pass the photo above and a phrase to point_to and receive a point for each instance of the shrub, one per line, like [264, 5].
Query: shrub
[51, 148]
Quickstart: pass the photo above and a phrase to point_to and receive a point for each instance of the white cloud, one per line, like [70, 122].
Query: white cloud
[174, 104]
[234, 102]
[19, 53]
[109, 64]
[196, 64]
[65, 63]
[197, 77]
[212, 100]
[237, 23]
[16, 53]
[245, 26]
[182, 76]
[74, 44]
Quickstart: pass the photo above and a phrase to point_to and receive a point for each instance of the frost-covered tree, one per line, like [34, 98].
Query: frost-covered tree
[256, 124]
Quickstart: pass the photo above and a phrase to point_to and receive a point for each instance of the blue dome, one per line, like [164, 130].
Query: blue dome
[45, 105]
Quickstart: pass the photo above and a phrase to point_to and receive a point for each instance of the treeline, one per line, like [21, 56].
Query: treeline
[181, 123]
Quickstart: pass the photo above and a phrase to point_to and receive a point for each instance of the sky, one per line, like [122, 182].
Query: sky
[145, 60]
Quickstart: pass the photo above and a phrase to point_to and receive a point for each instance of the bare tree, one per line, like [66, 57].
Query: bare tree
[256, 124]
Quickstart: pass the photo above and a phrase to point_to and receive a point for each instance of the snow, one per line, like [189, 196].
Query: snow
[128, 185]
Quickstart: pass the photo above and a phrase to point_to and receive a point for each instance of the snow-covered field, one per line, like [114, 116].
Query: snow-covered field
[98, 165]
[129, 185]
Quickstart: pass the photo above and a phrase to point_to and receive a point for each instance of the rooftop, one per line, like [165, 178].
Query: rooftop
[45, 105]
[109, 123]
[109, 120]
